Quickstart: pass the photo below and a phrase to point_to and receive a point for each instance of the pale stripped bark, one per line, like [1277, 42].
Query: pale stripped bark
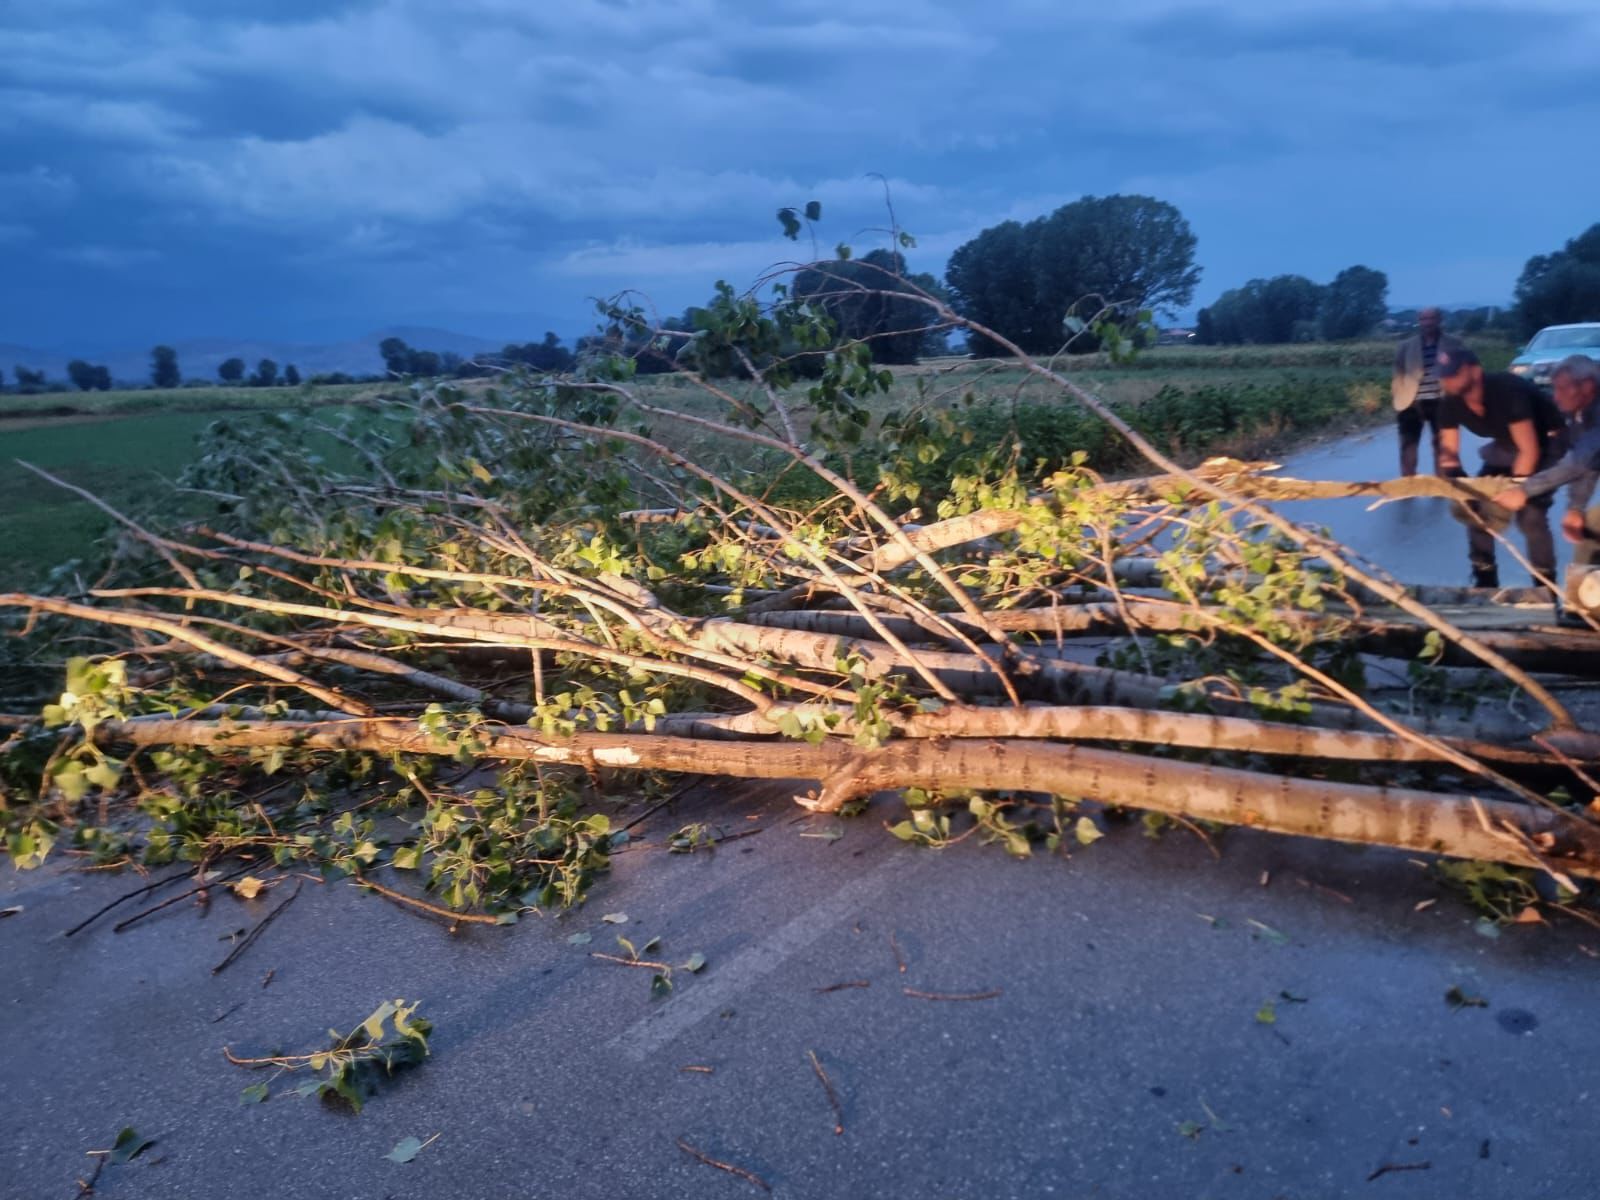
[1456, 825]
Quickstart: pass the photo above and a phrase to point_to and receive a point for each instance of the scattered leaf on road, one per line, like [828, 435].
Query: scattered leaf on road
[249, 887]
[408, 1148]
[1267, 1014]
[696, 963]
[1272, 935]
[616, 918]
[1456, 998]
[256, 1093]
[129, 1145]
[580, 939]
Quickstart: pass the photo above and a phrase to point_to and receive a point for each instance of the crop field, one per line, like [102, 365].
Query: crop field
[129, 446]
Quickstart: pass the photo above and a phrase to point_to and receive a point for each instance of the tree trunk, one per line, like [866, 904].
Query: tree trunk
[1427, 822]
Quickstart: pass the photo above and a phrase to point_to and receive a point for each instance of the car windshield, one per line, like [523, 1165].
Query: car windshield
[1579, 337]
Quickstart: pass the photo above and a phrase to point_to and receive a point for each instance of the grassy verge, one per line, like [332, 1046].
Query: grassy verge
[127, 446]
[170, 400]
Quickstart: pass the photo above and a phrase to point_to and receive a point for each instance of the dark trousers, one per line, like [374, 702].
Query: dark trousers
[1410, 421]
[1533, 520]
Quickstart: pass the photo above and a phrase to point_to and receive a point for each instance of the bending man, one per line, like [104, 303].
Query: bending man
[1525, 432]
[1576, 381]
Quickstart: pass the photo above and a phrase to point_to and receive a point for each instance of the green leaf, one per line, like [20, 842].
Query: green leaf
[72, 781]
[129, 1145]
[813, 210]
[406, 858]
[254, 1094]
[616, 918]
[660, 987]
[695, 964]
[905, 831]
[405, 1150]
[373, 1025]
[1087, 832]
[1267, 1014]
[580, 939]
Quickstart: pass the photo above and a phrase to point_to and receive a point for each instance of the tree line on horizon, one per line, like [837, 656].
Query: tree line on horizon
[1040, 284]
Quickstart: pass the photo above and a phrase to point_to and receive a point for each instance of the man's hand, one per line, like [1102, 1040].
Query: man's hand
[1513, 499]
[1572, 525]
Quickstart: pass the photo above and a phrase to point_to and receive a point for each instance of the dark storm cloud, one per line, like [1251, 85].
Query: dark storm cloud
[238, 167]
[1399, 36]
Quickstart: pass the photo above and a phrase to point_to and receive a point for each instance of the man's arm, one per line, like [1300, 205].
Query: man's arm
[1449, 450]
[1526, 439]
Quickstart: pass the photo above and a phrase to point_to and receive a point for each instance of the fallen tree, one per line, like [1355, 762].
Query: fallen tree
[569, 577]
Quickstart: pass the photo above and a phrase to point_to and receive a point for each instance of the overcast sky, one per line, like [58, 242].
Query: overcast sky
[313, 169]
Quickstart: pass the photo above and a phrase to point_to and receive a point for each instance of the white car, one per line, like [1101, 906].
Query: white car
[1553, 343]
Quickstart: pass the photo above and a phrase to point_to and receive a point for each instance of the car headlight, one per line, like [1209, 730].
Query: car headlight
[1521, 369]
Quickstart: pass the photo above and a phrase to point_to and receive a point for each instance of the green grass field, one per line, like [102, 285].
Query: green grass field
[128, 446]
[166, 400]
[127, 460]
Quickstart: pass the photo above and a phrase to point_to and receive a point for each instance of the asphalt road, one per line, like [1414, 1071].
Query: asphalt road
[1122, 1057]
[1417, 540]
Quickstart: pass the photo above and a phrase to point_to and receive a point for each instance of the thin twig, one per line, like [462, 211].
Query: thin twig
[839, 987]
[1391, 1168]
[181, 873]
[155, 908]
[1204, 837]
[920, 995]
[401, 898]
[899, 958]
[630, 962]
[250, 937]
[827, 1086]
[1306, 883]
[747, 1176]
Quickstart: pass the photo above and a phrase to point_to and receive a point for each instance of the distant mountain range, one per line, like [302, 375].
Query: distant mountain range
[198, 358]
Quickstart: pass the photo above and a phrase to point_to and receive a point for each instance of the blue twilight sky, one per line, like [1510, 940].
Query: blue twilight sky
[312, 169]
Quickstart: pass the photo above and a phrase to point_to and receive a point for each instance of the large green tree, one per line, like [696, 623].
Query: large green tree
[1558, 288]
[231, 370]
[1353, 303]
[88, 377]
[851, 293]
[1125, 252]
[1262, 311]
[164, 367]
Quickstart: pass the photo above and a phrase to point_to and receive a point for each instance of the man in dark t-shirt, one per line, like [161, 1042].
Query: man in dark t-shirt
[1526, 433]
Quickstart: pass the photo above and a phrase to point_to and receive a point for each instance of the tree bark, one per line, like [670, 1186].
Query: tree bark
[1427, 822]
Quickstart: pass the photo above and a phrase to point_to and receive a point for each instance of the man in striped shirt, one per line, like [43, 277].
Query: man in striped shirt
[1415, 386]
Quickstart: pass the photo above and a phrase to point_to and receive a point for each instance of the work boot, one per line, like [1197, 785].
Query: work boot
[1486, 577]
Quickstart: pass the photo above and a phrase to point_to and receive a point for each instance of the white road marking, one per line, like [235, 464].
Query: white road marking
[644, 1038]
